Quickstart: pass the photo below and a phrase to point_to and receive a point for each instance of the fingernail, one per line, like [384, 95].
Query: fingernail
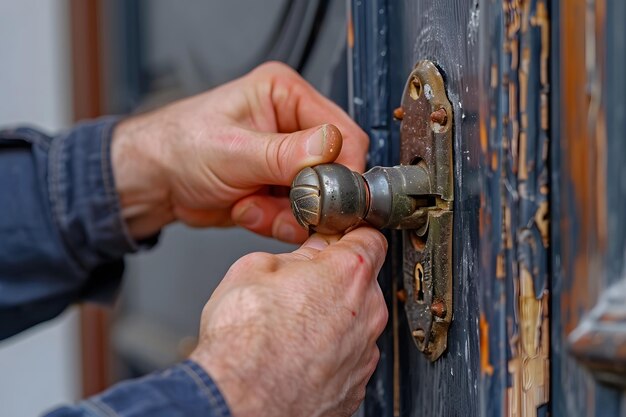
[315, 143]
[285, 232]
[249, 216]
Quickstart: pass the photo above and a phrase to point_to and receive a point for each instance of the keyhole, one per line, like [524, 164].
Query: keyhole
[419, 282]
[415, 88]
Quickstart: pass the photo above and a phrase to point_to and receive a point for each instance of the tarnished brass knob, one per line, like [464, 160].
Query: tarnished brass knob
[331, 199]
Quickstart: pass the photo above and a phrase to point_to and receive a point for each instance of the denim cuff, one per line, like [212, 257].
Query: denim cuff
[84, 202]
[184, 390]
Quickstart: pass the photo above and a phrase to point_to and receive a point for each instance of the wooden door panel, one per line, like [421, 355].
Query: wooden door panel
[539, 109]
[590, 204]
[447, 36]
[495, 60]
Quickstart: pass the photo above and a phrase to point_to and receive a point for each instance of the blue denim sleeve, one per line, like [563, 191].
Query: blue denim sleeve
[184, 390]
[62, 238]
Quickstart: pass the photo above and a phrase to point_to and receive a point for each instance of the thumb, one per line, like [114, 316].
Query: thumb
[276, 158]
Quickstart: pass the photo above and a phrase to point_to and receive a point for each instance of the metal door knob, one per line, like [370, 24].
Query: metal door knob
[332, 199]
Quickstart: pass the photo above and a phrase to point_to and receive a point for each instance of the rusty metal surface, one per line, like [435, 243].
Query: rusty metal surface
[426, 128]
[426, 140]
[428, 285]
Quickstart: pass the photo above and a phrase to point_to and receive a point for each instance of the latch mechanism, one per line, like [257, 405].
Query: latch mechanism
[415, 196]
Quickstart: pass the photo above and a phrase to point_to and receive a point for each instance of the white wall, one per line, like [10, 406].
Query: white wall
[38, 368]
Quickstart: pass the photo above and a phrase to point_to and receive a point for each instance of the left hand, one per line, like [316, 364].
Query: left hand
[295, 334]
[215, 159]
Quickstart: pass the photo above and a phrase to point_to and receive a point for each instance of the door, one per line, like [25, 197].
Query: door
[539, 143]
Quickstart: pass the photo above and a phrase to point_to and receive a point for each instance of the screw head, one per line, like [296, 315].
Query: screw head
[439, 116]
[438, 308]
[398, 113]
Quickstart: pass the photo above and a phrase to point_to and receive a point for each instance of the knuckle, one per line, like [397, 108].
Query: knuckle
[277, 157]
[374, 359]
[257, 261]
[383, 319]
[274, 66]
[379, 239]
[382, 313]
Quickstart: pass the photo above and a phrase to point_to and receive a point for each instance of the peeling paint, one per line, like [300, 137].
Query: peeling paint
[530, 365]
[517, 172]
[485, 365]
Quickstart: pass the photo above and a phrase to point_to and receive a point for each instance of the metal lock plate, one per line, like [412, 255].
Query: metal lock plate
[426, 138]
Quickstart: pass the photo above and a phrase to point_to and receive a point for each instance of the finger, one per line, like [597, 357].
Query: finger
[268, 216]
[311, 247]
[297, 105]
[276, 158]
[363, 246]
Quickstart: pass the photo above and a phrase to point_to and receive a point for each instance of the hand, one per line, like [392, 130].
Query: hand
[214, 159]
[295, 334]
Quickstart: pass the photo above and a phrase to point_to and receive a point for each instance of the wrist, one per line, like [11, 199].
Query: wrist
[140, 180]
[244, 379]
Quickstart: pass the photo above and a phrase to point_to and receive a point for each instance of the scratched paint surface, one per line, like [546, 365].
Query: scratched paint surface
[515, 143]
[449, 37]
[518, 73]
[368, 33]
[495, 59]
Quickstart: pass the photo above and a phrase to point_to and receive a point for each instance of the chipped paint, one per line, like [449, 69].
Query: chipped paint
[485, 365]
[526, 207]
[530, 365]
[350, 32]
[516, 171]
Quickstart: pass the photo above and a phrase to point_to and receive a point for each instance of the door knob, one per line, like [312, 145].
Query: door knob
[332, 199]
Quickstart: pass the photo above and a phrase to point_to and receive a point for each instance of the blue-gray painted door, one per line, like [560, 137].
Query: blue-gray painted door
[539, 110]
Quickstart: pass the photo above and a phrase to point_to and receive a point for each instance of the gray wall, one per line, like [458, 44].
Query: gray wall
[38, 368]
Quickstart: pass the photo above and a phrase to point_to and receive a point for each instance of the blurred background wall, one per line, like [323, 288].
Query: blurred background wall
[156, 51]
[40, 367]
[65, 59]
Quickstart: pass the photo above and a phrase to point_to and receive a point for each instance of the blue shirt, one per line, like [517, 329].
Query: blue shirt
[62, 240]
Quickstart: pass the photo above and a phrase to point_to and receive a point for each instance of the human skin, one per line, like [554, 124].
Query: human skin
[215, 159]
[282, 335]
[295, 334]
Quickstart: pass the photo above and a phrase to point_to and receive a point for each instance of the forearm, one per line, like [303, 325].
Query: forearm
[62, 237]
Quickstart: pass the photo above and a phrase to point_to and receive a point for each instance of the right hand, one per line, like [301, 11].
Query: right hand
[295, 334]
[216, 159]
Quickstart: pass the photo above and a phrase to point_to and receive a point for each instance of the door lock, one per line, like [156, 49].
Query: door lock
[416, 196]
